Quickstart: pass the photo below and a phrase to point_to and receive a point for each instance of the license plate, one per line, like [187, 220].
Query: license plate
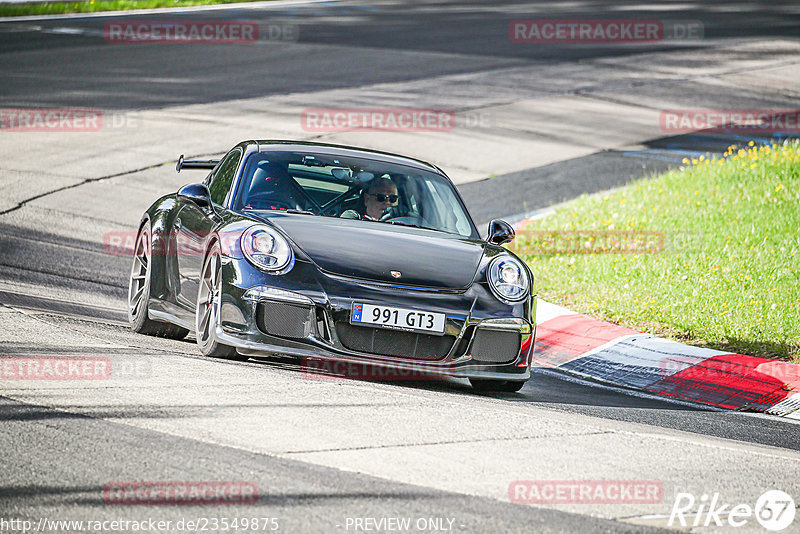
[400, 318]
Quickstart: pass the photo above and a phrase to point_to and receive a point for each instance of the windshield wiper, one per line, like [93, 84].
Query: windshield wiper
[301, 212]
[420, 226]
[405, 224]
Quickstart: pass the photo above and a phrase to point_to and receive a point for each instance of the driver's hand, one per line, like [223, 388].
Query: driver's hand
[350, 214]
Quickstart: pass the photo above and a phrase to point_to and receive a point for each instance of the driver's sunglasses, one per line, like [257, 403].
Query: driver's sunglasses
[380, 197]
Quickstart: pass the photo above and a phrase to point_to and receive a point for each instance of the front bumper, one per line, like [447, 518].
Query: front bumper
[483, 337]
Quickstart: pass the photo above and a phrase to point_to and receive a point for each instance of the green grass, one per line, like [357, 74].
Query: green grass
[91, 6]
[727, 274]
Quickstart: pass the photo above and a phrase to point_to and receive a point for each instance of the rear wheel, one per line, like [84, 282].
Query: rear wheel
[139, 292]
[483, 385]
[208, 303]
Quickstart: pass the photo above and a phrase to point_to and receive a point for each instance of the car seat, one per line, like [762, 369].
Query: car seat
[272, 187]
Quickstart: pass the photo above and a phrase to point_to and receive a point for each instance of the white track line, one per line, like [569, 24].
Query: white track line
[569, 377]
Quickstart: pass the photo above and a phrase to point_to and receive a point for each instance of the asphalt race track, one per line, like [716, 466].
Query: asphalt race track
[535, 125]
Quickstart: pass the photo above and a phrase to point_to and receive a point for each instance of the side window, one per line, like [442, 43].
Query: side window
[223, 178]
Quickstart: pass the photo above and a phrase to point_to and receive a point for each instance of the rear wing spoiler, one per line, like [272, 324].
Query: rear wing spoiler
[195, 164]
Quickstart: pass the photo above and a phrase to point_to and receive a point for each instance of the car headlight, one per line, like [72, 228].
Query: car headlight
[508, 279]
[267, 249]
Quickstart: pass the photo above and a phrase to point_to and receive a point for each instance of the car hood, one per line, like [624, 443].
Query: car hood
[372, 250]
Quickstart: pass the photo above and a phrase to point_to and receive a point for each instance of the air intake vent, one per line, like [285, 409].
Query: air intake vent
[394, 342]
[495, 346]
[285, 320]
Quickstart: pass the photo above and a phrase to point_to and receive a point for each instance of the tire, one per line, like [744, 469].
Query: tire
[139, 292]
[208, 301]
[508, 386]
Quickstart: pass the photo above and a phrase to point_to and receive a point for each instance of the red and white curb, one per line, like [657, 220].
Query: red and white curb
[587, 347]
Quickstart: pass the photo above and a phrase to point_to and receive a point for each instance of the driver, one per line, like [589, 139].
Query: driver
[379, 195]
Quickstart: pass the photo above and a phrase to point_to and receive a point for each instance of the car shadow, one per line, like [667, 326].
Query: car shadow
[545, 389]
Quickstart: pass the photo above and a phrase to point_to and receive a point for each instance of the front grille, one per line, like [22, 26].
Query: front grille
[285, 320]
[495, 346]
[394, 342]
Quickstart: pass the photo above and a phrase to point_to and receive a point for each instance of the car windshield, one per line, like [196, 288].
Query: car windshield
[367, 190]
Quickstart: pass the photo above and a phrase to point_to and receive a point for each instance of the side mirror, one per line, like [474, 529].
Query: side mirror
[500, 232]
[197, 193]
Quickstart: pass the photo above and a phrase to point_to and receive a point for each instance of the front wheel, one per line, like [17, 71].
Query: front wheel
[508, 386]
[208, 303]
[139, 292]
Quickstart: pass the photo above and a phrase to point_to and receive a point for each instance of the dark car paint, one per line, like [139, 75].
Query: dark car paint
[370, 250]
[336, 296]
[337, 262]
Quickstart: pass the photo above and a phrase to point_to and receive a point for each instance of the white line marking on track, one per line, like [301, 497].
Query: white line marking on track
[569, 377]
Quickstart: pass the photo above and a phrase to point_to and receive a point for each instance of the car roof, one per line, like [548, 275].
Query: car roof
[345, 151]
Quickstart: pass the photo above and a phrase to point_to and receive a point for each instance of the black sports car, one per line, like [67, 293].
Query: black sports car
[331, 252]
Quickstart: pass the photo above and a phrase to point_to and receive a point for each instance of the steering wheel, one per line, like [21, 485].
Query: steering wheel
[405, 219]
